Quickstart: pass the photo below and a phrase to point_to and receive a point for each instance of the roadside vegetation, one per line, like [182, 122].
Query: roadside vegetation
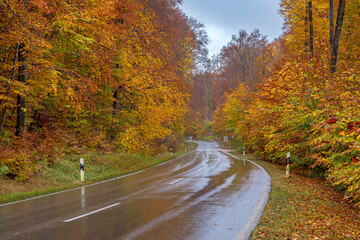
[66, 92]
[301, 207]
[65, 174]
[92, 76]
[298, 94]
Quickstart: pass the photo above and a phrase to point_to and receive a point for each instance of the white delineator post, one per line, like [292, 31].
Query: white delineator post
[82, 175]
[287, 164]
[171, 152]
[244, 155]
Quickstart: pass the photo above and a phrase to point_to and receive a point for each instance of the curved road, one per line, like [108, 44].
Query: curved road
[205, 194]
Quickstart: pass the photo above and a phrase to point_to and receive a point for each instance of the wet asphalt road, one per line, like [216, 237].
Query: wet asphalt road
[203, 195]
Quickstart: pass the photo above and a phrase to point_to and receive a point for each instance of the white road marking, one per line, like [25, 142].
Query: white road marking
[93, 184]
[177, 181]
[87, 214]
[200, 169]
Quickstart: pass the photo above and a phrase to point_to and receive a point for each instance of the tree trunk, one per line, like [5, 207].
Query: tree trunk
[115, 102]
[22, 77]
[306, 19]
[115, 95]
[21, 101]
[209, 97]
[3, 116]
[331, 3]
[31, 127]
[337, 35]
[311, 29]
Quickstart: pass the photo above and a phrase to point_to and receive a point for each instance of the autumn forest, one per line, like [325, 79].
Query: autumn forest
[134, 76]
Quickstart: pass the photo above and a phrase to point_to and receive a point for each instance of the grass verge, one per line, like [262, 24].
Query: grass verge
[300, 207]
[65, 174]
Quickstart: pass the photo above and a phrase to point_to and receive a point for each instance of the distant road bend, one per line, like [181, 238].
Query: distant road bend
[205, 194]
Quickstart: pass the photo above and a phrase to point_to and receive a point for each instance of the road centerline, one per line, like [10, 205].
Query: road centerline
[90, 213]
[177, 181]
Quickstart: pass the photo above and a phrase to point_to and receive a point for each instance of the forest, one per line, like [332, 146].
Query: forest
[134, 76]
[298, 94]
[93, 75]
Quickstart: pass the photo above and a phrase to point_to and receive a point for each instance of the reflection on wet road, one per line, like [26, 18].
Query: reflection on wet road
[202, 195]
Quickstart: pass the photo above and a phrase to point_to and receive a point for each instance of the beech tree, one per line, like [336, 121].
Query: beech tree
[101, 75]
[336, 38]
[241, 61]
[306, 105]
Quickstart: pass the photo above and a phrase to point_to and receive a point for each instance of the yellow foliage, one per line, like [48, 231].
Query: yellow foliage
[301, 107]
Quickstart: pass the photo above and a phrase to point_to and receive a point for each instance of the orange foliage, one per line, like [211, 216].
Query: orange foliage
[301, 106]
[110, 75]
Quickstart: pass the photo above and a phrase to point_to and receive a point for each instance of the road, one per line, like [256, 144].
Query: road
[205, 194]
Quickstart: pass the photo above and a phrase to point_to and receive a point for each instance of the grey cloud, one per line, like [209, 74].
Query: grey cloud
[233, 15]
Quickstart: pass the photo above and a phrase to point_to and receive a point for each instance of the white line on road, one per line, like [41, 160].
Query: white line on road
[87, 214]
[177, 181]
[200, 169]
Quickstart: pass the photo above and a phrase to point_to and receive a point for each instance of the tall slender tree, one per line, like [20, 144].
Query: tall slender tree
[331, 20]
[336, 40]
[311, 28]
[22, 77]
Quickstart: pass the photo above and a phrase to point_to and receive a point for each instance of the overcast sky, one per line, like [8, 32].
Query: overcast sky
[224, 18]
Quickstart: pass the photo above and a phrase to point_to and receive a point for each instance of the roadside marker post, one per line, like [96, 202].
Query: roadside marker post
[171, 152]
[244, 155]
[82, 167]
[287, 164]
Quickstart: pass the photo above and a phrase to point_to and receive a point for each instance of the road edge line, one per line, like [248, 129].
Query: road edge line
[95, 183]
[259, 209]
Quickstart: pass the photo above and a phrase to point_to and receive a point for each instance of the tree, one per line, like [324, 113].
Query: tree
[301, 106]
[241, 61]
[331, 20]
[336, 40]
[311, 28]
[102, 75]
[21, 100]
